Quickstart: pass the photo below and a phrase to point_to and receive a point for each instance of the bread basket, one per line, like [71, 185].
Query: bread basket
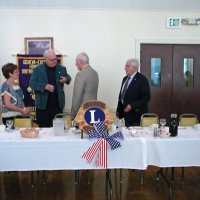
[29, 133]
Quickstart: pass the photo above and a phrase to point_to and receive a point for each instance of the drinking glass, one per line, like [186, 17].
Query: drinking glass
[9, 124]
[119, 123]
[74, 124]
[163, 122]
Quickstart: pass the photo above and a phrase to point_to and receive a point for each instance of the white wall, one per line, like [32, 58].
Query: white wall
[109, 38]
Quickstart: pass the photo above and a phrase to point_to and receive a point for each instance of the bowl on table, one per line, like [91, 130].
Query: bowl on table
[29, 133]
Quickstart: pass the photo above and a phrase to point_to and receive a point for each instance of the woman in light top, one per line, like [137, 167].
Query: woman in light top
[11, 93]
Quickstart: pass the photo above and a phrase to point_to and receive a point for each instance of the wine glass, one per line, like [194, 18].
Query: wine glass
[119, 123]
[9, 124]
[163, 122]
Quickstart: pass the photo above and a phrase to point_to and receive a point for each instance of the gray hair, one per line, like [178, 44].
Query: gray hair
[46, 53]
[134, 62]
[83, 57]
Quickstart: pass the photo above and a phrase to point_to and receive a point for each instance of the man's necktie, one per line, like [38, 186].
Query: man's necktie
[125, 88]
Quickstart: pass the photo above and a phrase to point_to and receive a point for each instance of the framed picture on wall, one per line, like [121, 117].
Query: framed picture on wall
[37, 45]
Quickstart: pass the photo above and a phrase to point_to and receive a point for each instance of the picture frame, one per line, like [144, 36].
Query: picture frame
[37, 45]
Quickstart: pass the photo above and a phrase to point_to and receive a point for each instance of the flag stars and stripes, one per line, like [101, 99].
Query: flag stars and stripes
[101, 146]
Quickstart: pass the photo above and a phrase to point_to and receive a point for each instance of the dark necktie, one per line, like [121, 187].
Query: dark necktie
[125, 88]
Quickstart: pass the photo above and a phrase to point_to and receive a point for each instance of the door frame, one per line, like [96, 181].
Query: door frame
[139, 41]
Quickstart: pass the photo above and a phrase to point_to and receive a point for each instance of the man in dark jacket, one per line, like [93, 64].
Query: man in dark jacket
[134, 95]
[47, 80]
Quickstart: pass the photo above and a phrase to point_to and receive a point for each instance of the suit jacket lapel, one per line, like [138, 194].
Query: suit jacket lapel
[123, 81]
[132, 81]
[57, 75]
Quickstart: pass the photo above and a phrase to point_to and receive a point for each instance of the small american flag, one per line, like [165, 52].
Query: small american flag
[101, 146]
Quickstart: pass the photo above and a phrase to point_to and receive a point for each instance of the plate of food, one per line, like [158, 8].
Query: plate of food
[165, 135]
[29, 133]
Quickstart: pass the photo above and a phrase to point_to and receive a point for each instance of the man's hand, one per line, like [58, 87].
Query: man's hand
[49, 87]
[63, 79]
[128, 108]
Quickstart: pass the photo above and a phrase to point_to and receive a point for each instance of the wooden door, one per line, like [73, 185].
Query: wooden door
[186, 96]
[175, 93]
[161, 94]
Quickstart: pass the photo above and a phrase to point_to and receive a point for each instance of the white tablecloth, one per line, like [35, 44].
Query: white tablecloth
[180, 151]
[49, 152]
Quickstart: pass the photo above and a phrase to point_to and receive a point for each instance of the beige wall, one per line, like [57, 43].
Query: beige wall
[109, 38]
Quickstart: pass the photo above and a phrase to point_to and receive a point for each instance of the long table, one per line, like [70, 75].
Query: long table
[180, 151]
[50, 152]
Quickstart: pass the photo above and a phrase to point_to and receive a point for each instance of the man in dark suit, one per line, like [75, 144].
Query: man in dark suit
[134, 95]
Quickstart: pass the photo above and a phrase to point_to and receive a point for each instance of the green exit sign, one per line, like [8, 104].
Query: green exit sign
[173, 22]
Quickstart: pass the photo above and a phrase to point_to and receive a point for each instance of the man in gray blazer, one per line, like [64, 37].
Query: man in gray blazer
[85, 84]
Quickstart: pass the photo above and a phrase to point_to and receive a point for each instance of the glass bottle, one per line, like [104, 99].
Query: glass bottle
[173, 128]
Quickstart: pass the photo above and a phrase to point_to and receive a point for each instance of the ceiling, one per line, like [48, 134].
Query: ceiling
[159, 5]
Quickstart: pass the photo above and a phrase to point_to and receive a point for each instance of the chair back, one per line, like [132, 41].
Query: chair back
[23, 122]
[188, 120]
[147, 119]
